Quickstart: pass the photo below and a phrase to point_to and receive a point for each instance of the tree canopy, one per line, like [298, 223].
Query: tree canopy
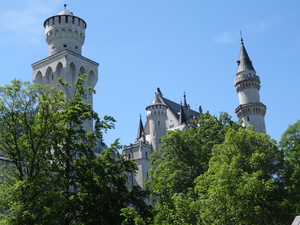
[54, 175]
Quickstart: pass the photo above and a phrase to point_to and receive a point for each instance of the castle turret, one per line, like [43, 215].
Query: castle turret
[157, 116]
[251, 111]
[64, 31]
[65, 35]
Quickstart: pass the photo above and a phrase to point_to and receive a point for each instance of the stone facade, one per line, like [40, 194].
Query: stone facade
[65, 34]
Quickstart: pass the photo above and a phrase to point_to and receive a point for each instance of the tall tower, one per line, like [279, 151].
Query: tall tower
[65, 34]
[251, 111]
[157, 116]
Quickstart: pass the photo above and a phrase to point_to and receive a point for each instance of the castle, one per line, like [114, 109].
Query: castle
[65, 34]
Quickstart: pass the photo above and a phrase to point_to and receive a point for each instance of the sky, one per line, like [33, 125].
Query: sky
[179, 46]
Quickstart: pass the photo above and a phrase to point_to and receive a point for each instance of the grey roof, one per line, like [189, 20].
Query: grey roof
[244, 62]
[156, 100]
[65, 12]
[175, 108]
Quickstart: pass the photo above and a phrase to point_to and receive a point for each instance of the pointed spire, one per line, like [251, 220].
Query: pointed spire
[244, 62]
[184, 100]
[140, 129]
[182, 117]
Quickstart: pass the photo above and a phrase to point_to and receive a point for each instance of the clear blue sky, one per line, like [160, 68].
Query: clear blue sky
[177, 45]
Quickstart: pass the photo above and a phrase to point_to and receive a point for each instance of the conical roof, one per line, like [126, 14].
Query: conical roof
[244, 62]
[140, 129]
[156, 100]
[65, 12]
[182, 117]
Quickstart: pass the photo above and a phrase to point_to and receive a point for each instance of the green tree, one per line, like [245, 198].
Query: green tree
[55, 176]
[290, 144]
[240, 185]
[181, 158]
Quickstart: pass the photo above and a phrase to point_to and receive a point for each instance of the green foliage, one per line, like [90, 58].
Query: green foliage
[290, 144]
[54, 176]
[182, 157]
[239, 186]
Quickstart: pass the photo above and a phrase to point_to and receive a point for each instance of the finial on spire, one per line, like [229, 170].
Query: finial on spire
[184, 99]
[65, 5]
[242, 41]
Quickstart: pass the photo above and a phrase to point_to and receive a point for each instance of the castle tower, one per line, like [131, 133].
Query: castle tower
[251, 111]
[65, 34]
[157, 116]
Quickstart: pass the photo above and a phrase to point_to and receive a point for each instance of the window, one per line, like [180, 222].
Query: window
[248, 118]
[146, 155]
[66, 19]
[158, 123]
[85, 96]
[59, 19]
[129, 156]
[65, 45]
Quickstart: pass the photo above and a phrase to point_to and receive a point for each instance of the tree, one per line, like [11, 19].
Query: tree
[240, 185]
[55, 176]
[290, 145]
[182, 157]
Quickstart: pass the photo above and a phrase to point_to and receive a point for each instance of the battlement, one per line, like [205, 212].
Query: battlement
[65, 32]
[246, 81]
[251, 108]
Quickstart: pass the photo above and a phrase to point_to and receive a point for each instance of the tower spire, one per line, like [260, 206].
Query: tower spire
[244, 62]
[140, 129]
[251, 111]
[184, 100]
[182, 117]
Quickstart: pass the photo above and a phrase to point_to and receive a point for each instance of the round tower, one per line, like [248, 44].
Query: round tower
[64, 31]
[251, 111]
[157, 116]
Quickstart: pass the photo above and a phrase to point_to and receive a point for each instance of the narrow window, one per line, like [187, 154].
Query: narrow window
[73, 19]
[248, 118]
[147, 175]
[85, 96]
[52, 76]
[129, 156]
[146, 155]
[59, 19]
[158, 123]
[66, 19]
